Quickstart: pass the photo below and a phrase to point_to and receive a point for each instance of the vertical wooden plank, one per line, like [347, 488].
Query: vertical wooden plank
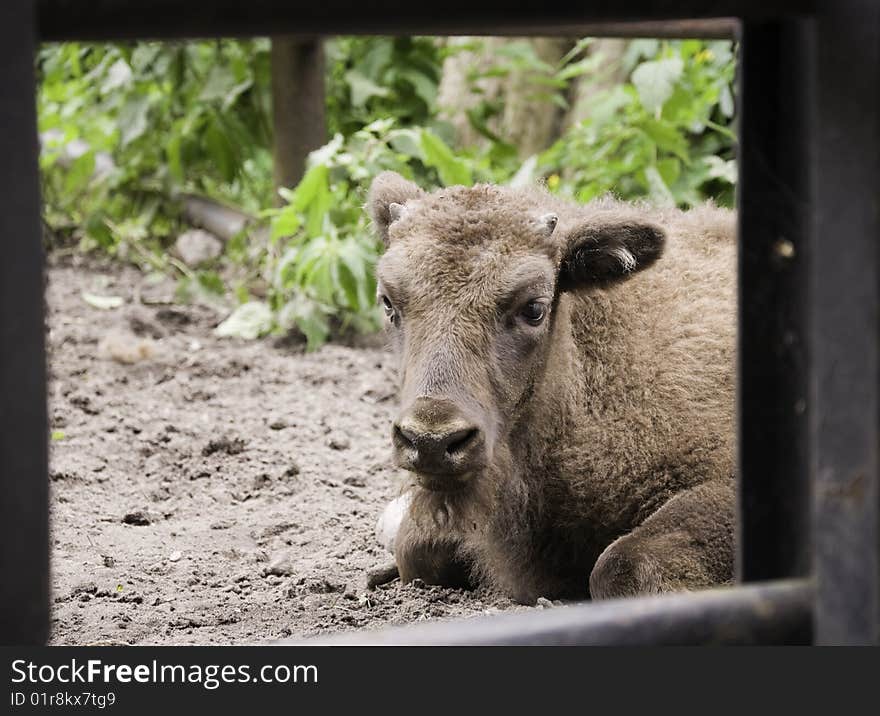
[24, 530]
[774, 254]
[845, 311]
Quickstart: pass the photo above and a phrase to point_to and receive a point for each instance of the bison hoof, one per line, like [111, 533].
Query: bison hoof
[433, 563]
[384, 574]
[623, 572]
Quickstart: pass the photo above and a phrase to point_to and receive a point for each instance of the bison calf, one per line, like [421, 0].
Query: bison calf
[566, 387]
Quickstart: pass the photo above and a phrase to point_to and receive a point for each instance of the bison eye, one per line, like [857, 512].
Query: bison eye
[390, 313]
[534, 312]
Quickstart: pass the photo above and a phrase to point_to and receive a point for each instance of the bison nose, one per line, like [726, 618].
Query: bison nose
[437, 440]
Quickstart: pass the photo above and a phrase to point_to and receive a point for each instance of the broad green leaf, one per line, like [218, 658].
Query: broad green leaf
[218, 85]
[722, 52]
[524, 56]
[327, 153]
[133, 119]
[309, 317]
[119, 75]
[725, 101]
[452, 170]
[580, 68]
[234, 93]
[356, 265]
[318, 210]
[658, 192]
[211, 282]
[285, 271]
[144, 55]
[96, 228]
[425, 87]
[605, 106]
[670, 170]
[479, 117]
[655, 81]
[719, 168]
[667, 137]
[637, 49]
[379, 127]
[378, 57]
[689, 48]
[363, 88]
[286, 223]
[407, 141]
[309, 188]
[175, 161]
[349, 285]
[249, 321]
[578, 48]
[80, 172]
[220, 150]
[241, 292]
[315, 328]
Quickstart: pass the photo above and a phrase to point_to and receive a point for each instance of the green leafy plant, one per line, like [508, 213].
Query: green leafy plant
[665, 135]
[321, 257]
[381, 77]
[544, 82]
[125, 128]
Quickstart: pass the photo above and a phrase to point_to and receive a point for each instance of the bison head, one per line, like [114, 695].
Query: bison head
[471, 283]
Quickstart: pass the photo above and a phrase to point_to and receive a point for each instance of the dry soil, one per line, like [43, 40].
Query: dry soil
[214, 491]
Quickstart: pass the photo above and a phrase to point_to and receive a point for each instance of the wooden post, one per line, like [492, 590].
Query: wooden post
[297, 105]
[24, 489]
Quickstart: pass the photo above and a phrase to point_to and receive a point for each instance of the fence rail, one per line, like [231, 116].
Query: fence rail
[777, 613]
[120, 19]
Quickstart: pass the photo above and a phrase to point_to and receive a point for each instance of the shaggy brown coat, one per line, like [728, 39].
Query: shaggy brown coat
[610, 428]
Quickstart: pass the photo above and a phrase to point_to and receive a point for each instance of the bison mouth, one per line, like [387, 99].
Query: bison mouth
[457, 503]
[443, 483]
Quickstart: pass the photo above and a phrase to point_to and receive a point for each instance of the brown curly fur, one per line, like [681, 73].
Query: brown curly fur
[611, 427]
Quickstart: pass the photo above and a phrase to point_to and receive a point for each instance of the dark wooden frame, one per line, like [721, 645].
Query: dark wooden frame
[808, 304]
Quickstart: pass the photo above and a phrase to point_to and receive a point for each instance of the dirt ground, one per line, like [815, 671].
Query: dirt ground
[214, 491]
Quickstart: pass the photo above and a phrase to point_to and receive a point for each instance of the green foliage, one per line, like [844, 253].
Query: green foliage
[662, 136]
[381, 77]
[665, 135]
[543, 82]
[321, 258]
[125, 128]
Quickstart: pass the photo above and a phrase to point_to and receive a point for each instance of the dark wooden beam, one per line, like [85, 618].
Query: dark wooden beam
[775, 194]
[722, 28]
[845, 311]
[160, 19]
[777, 613]
[24, 492]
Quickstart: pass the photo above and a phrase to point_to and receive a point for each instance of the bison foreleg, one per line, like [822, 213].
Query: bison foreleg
[686, 544]
[419, 554]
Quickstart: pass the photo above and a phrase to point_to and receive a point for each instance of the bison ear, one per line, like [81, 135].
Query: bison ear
[389, 193]
[603, 254]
